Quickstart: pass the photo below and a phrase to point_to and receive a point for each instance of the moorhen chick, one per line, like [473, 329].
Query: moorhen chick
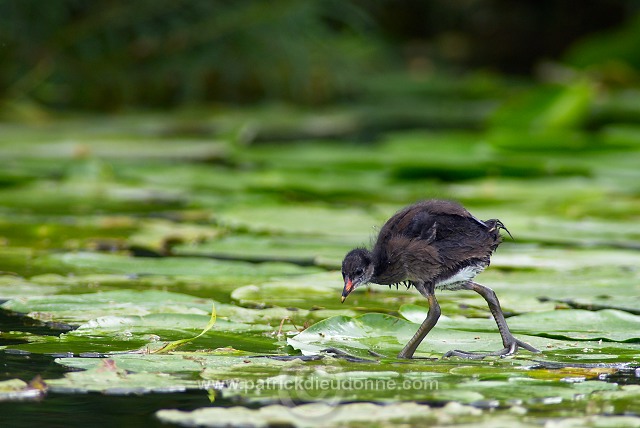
[431, 245]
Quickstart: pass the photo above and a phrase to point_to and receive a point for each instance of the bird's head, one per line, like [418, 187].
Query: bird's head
[357, 269]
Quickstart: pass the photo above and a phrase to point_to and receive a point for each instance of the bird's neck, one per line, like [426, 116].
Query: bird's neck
[380, 261]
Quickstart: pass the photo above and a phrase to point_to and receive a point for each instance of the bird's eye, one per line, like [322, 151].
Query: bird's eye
[359, 272]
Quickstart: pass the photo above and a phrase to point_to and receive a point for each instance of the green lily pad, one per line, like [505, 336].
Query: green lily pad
[13, 286]
[132, 318]
[19, 390]
[174, 266]
[304, 292]
[321, 250]
[320, 293]
[87, 195]
[570, 324]
[334, 381]
[387, 335]
[598, 421]
[77, 308]
[310, 415]
[302, 219]
[158, 235]
[176, 362]
[108, 378]
[576, 324]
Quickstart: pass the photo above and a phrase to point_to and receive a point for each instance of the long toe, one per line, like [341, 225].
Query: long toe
[504, 352]
[513, 345]
[526, 346]
[510, 349]
[465, 354]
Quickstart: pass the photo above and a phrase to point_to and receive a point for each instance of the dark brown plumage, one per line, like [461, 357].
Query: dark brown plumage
[431, 245]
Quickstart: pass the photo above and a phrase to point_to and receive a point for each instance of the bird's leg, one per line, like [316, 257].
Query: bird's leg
[510, 343]
[427, 324]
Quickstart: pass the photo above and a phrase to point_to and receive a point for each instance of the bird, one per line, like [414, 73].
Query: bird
[433, 245]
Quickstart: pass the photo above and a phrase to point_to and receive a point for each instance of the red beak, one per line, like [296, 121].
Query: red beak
[348, 288]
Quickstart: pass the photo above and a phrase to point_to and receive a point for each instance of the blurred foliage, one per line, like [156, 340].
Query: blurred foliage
[615, 53]
[548, 108]
[112, 54]
[106, 54]
[507, 35]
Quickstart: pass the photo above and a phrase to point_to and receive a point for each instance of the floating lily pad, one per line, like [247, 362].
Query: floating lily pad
[132, 318]
[310, 415]
[321, 250]
[78, 308]
[387, 335]
[302, 219]
[576, 324]
[303, 292]
[108, 378]
[18, 390]
[560, 324]
[188, 267]
[16, 286]
[333, 380]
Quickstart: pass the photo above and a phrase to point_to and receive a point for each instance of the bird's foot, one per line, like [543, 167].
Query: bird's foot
[508, 350]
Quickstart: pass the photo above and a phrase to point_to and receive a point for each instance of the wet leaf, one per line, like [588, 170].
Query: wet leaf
[77, 308]
[310, 415]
